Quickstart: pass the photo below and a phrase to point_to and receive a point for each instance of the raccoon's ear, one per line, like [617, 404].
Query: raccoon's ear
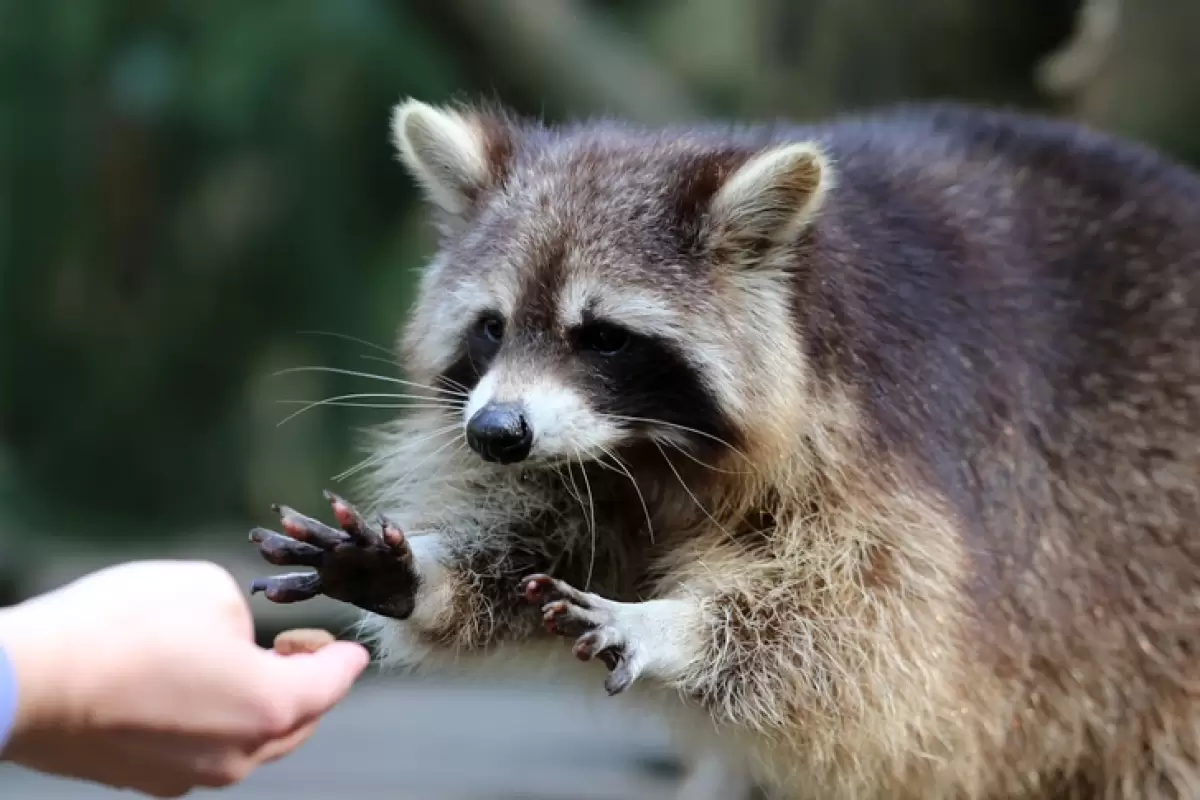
[453, 154]
[770, 198]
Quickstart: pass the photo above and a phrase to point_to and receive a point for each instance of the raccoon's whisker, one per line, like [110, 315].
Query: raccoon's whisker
[420, 398]
[370, 375]
[390, 362]
[338, 404]
[392, 406]
[557, 470]
[682, 451]
[600, 462]
[344, 404]
[569, 480]
[570, 477]
[408, 473]
[691, 494]
[348, 338]
[456, 388]
[424, 398]
[369, 461]
[591, 521]
[641, 498]
[461, 388]
[430, 401]
[384, 455]
[678, 427]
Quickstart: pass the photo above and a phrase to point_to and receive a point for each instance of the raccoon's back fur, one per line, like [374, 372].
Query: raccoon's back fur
[952, 546]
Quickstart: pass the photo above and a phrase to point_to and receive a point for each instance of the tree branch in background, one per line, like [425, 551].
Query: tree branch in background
[1068, 70]
[1148, 88]
[559, 47]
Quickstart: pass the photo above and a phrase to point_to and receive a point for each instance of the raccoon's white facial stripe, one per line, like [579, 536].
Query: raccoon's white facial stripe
[638, 310]
[706, 346]
[480, 396]
[471, 298]
[563, 423]
[437, 326]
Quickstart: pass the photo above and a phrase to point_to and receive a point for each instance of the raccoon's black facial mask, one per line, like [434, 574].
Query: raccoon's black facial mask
[481, 342]
[647, 386]
[604, 339]
[540, 392]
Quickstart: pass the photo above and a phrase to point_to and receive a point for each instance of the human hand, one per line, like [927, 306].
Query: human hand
[147, 676]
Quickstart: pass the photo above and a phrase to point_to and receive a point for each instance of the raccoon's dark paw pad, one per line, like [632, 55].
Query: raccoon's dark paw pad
[369, 566]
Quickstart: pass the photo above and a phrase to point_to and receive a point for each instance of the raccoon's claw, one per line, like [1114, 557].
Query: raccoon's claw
[369, 566]
[593, 622]
[609, 646]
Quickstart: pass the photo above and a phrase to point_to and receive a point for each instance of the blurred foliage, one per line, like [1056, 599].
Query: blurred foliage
[184, 184]
[186, 187]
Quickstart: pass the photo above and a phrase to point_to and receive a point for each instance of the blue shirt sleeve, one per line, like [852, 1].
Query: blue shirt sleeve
[8, 698]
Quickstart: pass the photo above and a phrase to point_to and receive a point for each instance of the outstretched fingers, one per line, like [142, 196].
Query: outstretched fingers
[567, 618]
[352, 522]
[283, 551]
[307, 529]
[293, 587]
[393, 537]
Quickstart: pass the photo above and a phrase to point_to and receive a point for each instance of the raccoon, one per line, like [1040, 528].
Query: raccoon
[873, 443]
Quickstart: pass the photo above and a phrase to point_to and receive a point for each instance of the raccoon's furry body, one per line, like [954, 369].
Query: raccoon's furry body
[937, 374]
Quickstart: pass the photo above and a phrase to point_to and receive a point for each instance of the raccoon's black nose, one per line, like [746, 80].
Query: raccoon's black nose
[499, 432]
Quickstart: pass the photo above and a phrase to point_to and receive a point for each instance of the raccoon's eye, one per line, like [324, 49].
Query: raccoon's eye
[603, 338]
[491, 328]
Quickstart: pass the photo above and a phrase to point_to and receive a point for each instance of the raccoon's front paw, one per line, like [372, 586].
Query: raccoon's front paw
[596, 624]
[367, 566]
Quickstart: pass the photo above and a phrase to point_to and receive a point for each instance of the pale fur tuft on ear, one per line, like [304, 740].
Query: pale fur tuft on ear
[445, 151]
[771, 197]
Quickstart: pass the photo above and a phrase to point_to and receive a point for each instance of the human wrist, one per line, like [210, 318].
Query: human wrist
[14, 697]
[9, 699]
[30, 651]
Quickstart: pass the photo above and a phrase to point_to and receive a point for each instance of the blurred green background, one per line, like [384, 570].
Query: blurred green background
[189, 189]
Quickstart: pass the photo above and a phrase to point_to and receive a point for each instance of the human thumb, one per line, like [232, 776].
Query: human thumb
[312, 683]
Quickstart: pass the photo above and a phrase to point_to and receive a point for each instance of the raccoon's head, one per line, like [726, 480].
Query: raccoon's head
[598, 288]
